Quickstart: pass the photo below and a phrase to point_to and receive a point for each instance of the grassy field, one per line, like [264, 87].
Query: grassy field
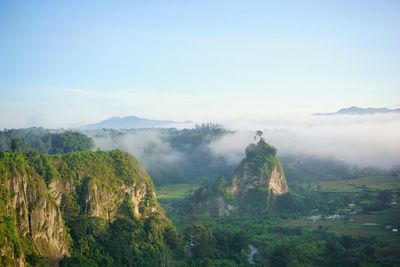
[174, 192]
[358, 224]
[371, 183]
[361, 225]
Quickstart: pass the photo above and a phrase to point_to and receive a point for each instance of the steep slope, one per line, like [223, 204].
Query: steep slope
[257, 180]
[101, 180]
[42, 194]
[259, 170]
[30, 213]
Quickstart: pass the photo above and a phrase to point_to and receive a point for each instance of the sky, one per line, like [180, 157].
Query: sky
[70, 63]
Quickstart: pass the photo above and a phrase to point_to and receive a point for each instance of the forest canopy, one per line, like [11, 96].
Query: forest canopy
[44, 141]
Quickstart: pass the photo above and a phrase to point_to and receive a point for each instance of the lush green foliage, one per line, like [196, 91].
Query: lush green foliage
[174, 192]
[128, 240]
[288, 236]
[12, 244]
[8, 235]
[260, 158]
[174, 156]
[44, 141]
[108, 168]
[304, 167]
[259, 162]
[227, 240]
[210, 189]
[369, 183]
[201, 242]
[283, 237]
[292, 203]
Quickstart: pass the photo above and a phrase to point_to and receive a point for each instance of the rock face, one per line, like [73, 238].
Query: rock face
[277, 182]
[38, 219]
[260, 170]
[258, 179]
[39, 193]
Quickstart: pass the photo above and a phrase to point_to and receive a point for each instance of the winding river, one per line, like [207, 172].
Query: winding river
[253, 251]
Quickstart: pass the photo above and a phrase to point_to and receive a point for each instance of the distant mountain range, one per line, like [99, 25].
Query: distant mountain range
[359, 111]
[131, 122]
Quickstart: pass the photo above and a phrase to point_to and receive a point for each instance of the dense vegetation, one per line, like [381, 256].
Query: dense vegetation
[306, 167]
[44, 141]
[12, 243]
[308, 228]
[127, 239]
[174, 156]
[322, 221]
[192, 160]
[8, 232]
[169, 155]
[227, 241]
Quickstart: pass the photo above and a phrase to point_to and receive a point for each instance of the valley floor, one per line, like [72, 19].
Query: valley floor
[354, 220]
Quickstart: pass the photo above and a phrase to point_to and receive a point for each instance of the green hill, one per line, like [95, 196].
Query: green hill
[83, 207]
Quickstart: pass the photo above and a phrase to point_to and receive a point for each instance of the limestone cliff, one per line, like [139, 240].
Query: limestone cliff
[101, 183]
[259, 170]
[40, 193]
[258, 179]
[30, 213]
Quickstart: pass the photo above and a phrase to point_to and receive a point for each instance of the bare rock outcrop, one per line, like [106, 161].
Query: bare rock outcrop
[38, 216]
[258, 179]
[260, 170]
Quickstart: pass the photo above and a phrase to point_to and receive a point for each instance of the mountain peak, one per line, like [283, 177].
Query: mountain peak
[354, 110]
[130, 122]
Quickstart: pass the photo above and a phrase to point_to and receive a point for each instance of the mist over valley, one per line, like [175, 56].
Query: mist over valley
[199, 133]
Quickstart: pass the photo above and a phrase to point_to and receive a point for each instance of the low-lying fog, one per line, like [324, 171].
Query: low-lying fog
[365, 140]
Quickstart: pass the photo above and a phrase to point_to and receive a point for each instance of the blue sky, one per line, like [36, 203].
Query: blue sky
[71, 63]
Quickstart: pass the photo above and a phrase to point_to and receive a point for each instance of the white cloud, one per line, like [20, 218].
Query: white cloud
[139, 144]
[372, 140]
